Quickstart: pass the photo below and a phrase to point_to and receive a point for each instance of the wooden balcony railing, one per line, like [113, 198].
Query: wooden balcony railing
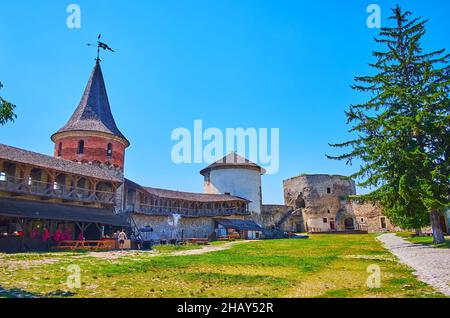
[55, 190]
[187, 212]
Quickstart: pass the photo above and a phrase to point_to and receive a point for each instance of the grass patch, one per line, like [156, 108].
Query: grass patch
[322, 266]
[424, 240]
[428, 240]
[174, 248]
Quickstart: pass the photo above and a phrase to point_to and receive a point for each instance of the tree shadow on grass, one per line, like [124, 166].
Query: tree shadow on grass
[20, 293]
[444, 245]
[428, 241]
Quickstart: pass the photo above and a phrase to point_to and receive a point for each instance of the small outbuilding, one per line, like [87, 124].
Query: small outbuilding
[244, 229]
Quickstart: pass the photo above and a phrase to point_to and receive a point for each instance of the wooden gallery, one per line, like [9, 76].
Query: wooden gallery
[80, 194]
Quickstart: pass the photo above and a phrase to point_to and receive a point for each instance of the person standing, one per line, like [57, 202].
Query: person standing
[139, 242]
[122, 237]
[57, 235]
[81, 237]
[46, 235]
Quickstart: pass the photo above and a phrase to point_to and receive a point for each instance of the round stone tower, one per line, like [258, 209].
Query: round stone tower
[237, 176]
[91, 135]
[322, 199]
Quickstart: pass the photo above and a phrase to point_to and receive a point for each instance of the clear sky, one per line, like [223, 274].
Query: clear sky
[234, 63]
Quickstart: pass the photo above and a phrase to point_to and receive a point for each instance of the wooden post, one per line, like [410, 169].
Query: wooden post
[2, 169]
[94, 188]
[51, 179]
[101, 229]
[82, 227]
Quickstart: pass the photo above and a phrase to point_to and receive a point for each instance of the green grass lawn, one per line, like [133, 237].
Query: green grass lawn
[166, 249]
[425, 240]
[322, 266]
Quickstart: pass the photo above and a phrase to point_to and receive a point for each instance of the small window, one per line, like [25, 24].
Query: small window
[227, 193]
[328, 211]
[109, 151]
[325, 220]
[2, 176]
[362, 220]
[328, 190]
[81, 147]
[60, 149]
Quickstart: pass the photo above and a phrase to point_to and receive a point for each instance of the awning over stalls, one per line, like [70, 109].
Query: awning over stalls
[239, 225]
[52, 211]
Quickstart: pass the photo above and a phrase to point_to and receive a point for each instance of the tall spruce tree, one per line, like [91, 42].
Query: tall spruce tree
[6, 110]
[403, 130]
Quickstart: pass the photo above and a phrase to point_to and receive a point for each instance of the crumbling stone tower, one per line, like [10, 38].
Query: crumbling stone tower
[322, 199]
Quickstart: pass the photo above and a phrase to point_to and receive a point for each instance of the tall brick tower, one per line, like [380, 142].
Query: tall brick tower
[91, 134]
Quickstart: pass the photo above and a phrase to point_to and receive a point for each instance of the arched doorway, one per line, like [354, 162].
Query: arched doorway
[300, 202]
[349, 224]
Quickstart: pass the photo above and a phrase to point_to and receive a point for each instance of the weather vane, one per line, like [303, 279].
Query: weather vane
[100, 45]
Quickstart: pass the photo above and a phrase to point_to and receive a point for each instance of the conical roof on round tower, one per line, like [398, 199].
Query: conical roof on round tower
[93, 113]
[233, 160]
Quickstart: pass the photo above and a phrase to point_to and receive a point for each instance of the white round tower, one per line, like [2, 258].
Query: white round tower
[236, 176]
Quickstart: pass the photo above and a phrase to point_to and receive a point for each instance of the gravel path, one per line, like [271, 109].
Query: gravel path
[432, 265]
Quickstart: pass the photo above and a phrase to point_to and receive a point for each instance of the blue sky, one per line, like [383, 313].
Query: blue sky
[235, 63]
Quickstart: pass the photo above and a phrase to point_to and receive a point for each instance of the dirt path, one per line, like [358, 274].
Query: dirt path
[432, 265]
[205, 249]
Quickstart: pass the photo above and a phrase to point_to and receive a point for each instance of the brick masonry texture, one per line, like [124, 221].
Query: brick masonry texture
[95, 149]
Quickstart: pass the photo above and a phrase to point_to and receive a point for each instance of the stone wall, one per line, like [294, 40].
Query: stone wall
[280, 217]
[164, 228]
[120, 199]
[370, 216]
[322, 199]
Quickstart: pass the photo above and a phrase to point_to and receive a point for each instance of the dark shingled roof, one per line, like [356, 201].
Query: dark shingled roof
[52, 211]
[93, 113]
[44, 161]
[133, 185]
[188, 196]
[239, 225]
[232, 160]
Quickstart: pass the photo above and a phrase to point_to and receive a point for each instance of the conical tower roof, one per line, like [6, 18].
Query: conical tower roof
[233, 160]
[93, 113]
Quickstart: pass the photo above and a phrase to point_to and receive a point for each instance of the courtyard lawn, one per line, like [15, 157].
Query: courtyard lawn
[424, 240]
[167, 249]
[321, 266]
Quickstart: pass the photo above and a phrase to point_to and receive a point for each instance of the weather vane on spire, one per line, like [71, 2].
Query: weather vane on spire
[100, 45]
